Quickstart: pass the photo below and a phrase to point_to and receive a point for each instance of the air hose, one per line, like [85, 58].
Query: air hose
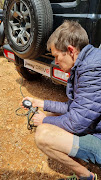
[30, 113]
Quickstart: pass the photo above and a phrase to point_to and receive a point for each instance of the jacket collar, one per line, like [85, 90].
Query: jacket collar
[84, 53]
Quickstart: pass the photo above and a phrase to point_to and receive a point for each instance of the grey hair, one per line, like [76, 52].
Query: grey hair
[69, 33]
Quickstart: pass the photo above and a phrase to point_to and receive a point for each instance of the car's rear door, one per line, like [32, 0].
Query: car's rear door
[70, 9]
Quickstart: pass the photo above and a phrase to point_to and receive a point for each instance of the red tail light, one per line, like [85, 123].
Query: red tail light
[60, 74]
[9, 55]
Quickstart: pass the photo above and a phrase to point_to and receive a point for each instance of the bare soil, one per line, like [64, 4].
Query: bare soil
[20, 159]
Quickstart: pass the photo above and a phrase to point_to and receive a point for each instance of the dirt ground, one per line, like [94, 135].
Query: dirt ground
[20, 159]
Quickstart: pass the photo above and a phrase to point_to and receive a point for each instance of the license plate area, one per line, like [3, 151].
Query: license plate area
[37, 67]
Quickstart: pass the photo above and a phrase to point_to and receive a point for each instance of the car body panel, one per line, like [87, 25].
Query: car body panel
[86, 12]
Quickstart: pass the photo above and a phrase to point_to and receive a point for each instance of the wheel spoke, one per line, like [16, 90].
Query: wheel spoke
[18, 39]
[11, 13]
[23, 40]
[15, 7]
[28, 25]
[14, 27]
[26, 13]
[14, 39]
[21, 6]
[17, 14]
[27, 35]
[13, 24]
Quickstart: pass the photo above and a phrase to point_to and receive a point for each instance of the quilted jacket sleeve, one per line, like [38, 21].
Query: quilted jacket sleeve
[55, 106]
[86, 106]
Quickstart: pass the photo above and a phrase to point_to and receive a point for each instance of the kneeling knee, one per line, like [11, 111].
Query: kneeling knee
[41, 135]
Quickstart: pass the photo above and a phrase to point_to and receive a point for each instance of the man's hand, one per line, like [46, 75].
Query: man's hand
[38, 118]
[35, 102]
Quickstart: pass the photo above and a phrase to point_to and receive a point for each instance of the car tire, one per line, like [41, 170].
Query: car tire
[28, 24]
[2, 35]
[24, 72]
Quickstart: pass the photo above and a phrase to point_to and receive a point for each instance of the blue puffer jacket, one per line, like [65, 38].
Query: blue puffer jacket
[82, 112]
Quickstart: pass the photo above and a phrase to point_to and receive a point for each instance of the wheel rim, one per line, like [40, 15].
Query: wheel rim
[20, 23]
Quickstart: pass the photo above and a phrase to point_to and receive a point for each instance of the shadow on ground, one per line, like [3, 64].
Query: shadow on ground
[43, 88]
[54, 165]
[25, 175]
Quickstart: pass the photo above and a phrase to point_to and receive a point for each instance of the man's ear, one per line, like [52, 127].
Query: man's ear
[71, 50]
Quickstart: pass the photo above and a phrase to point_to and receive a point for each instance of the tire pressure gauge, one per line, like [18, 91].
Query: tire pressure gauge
[32, 110]
[27, 104]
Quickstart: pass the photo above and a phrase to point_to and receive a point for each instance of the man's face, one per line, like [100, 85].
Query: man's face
[63, 59]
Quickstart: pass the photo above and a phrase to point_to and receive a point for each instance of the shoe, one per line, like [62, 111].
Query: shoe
[73, 177]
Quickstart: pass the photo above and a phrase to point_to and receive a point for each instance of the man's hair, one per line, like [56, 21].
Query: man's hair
[68, 33]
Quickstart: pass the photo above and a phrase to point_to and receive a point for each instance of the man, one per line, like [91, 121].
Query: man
[76, 133]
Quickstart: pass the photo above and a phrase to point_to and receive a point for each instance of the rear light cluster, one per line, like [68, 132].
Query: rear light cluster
[59, 74]
[9, 55]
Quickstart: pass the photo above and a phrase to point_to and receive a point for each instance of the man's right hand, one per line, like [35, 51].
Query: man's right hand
[35, 102]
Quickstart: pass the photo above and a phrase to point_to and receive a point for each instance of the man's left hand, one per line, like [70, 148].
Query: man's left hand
[38, 118]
